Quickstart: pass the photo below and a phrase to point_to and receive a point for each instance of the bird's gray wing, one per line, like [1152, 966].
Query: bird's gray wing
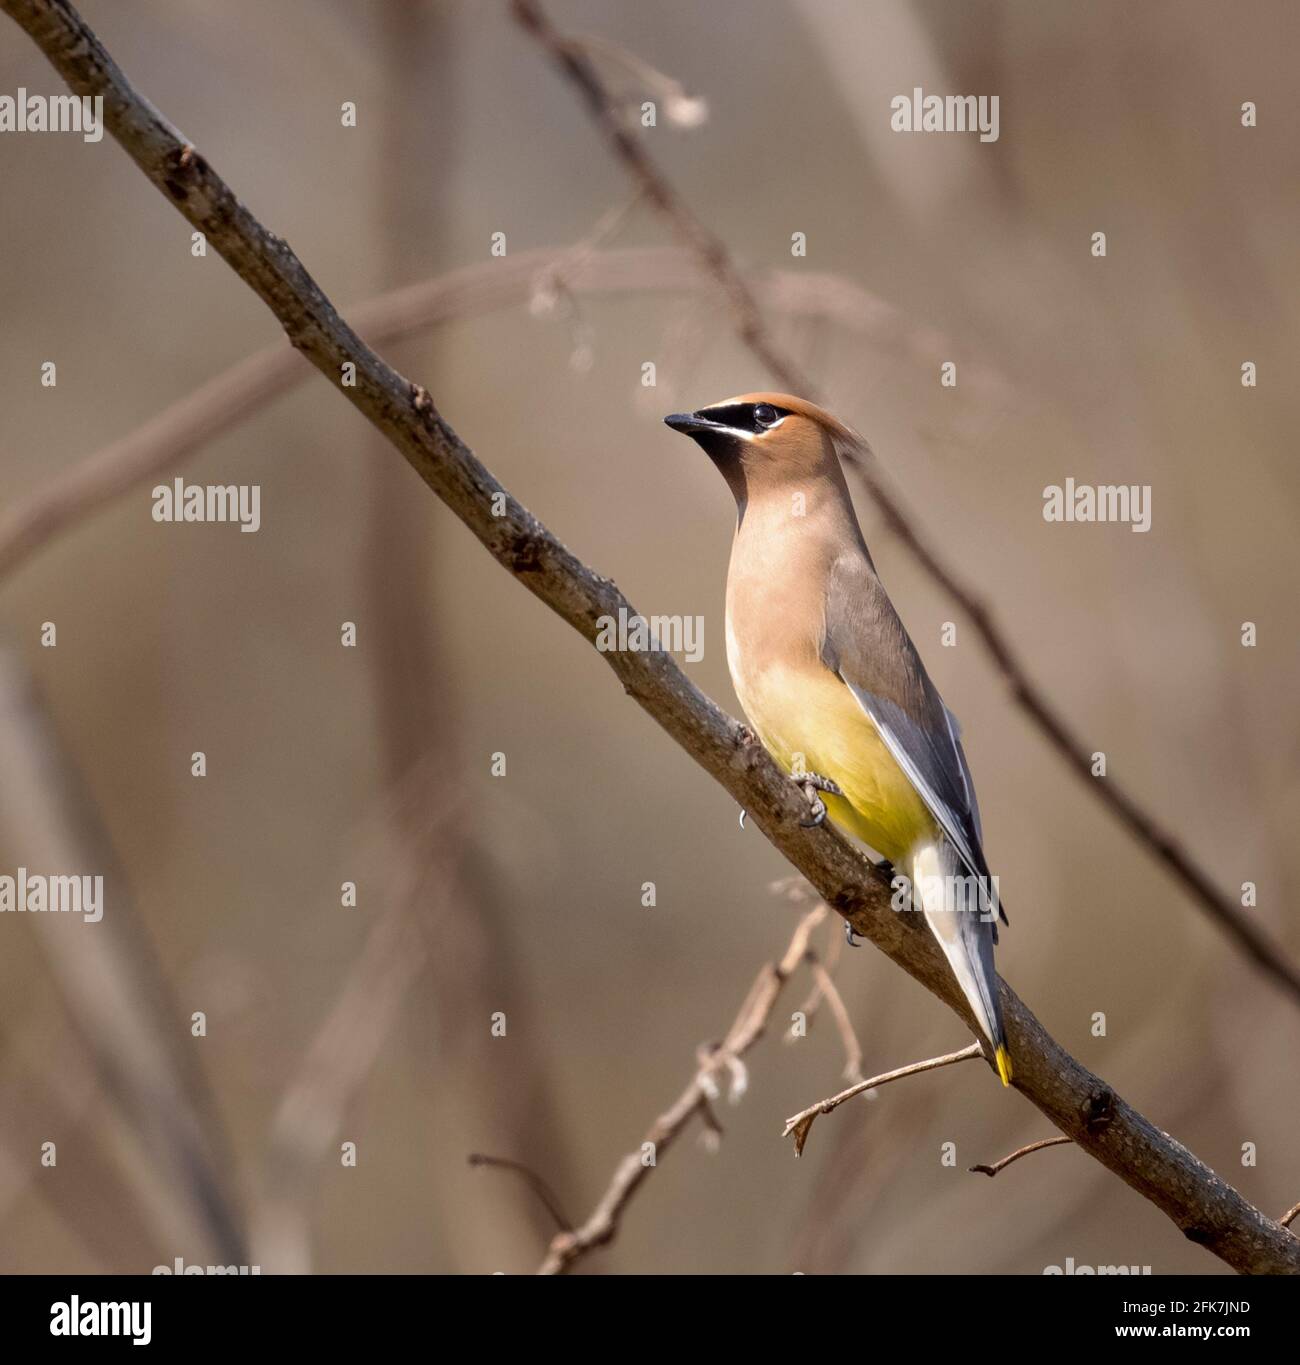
[968, 782]
[865, 643]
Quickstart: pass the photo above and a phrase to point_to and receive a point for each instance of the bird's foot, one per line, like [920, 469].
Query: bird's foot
[885, 869]
[811, 784]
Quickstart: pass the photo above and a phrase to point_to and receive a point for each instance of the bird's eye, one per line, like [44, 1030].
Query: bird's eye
[765, 414]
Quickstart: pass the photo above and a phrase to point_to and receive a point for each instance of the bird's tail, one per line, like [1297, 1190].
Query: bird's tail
[961, 916]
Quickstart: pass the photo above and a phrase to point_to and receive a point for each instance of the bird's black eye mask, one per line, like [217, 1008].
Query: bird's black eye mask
[751, 417]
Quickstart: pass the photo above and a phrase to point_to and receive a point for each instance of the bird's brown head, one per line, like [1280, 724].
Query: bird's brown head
[766, 442]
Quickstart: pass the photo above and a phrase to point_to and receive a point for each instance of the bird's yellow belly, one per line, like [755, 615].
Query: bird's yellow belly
[811, 722]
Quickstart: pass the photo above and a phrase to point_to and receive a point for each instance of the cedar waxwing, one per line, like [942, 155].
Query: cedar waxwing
[831, 682]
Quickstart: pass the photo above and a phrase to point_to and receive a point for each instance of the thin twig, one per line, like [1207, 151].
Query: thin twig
[1289, 1216]
[687, 111]
[1022, 1151]
[1200, 1203]
[539, 1187]
[553, 278]
[802, 1122]
[812, 1002]
[843, 1022]
[710, 249]
[1251, 938]
[750, 1023]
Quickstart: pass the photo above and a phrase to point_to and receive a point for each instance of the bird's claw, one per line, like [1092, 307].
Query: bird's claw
[811, 784]
[818, 813]
[850, 937]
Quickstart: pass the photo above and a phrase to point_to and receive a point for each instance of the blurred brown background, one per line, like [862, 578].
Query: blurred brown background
[522, 893]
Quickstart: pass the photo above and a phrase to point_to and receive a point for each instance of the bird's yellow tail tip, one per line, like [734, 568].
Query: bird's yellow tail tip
[1003, 1059]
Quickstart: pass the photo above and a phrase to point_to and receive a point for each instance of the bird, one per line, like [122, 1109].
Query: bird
[833, 686]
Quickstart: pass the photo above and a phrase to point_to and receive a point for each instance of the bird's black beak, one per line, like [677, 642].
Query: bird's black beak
[690, 423]
[717, 440]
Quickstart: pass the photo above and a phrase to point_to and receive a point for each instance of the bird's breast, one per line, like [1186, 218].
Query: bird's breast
[809, 721]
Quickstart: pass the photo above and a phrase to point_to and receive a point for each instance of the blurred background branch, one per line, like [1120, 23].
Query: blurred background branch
[163, 1127]
[180, 431]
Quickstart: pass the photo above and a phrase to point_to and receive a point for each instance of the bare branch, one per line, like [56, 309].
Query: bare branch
[1019, 1152]
[687, 111]
[534, 1182]
[710, 250]
[802, 1122]
[1251, 938]
[829, 991]
[813, 1001]
[1205, 1207]
[749, 1026]
[1289, 1216]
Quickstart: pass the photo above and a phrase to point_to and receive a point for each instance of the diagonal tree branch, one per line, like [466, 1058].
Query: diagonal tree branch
[712, 253]
[1205, 1207]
